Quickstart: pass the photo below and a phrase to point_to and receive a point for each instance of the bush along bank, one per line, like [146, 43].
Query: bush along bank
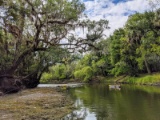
[143, 79]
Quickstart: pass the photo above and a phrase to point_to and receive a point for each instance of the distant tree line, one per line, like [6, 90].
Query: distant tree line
[131, 50]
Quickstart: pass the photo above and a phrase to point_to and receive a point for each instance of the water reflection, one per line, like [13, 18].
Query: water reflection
[98, 102]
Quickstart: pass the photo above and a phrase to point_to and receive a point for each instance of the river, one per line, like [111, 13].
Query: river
[130, 102]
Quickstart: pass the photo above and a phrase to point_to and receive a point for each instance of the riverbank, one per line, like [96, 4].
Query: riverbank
[143, 79]
[35, 104]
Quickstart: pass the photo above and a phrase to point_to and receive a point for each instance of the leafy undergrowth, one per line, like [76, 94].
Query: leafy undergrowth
[143, 79]
[35, 104]
[153, 79]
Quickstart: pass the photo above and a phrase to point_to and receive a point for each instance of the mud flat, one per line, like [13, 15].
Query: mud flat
[35, 104]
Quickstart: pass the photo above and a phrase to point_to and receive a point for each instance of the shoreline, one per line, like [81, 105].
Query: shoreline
[142, 79]
[35, 104]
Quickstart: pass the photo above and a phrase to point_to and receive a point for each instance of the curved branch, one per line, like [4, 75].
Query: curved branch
[21, 58]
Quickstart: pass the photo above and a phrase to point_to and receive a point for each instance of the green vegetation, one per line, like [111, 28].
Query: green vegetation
[32, 37]
[84, 74]
[32, 46]
[153, 79]
[57, 72]
[131, 51]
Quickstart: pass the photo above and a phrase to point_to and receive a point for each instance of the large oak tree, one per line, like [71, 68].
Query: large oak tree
[28, 28]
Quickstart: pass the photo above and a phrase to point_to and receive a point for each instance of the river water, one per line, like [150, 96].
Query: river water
[99, 102]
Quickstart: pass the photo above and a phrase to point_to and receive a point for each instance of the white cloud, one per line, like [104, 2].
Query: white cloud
[117, 14]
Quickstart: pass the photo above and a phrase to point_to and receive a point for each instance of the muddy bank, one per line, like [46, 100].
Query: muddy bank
[35, 104]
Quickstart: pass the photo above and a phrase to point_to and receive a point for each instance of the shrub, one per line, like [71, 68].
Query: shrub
[46, 77]
[85, 74]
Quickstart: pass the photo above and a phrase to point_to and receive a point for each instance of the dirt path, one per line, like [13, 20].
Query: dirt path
[35, 104]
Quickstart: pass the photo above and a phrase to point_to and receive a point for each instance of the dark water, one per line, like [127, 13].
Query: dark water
[98, 102]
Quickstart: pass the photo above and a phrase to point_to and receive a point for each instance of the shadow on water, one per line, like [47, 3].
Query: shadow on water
[98, 102]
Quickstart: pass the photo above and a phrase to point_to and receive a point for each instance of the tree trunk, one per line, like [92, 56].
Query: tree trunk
[15, 65]
[147, 66]
[9, 84]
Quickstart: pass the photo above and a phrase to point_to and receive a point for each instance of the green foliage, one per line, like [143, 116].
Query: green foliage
[130, 50]
[155, 47]
[100, 63]
[31, 36]
[85, 74]
[133, 46]
[46, 77]
[57, 72]
[120, 68]
[144, 79]
[116, 44]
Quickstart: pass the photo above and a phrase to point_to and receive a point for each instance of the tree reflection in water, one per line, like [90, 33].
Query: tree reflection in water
[77, 115]
[98, 102]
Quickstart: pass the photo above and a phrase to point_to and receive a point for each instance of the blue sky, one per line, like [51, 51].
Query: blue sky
[116, 11]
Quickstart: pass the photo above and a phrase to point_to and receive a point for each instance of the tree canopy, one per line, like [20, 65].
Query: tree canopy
[41, 35]
[131, 50]
[32, 29]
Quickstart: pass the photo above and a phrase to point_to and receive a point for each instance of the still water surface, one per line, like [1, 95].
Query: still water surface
[98, 102]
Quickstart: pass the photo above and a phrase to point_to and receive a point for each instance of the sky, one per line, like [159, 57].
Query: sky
[115, 11]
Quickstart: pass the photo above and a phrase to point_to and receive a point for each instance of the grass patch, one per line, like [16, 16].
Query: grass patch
[153, 79]
[143, 79]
